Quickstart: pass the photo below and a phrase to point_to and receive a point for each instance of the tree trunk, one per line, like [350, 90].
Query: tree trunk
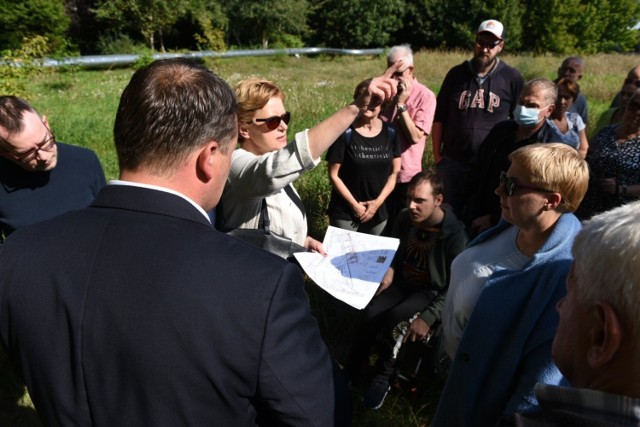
[161, 42]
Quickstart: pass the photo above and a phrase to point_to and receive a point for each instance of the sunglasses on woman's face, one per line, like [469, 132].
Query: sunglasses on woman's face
[510, 185]
[274, 121]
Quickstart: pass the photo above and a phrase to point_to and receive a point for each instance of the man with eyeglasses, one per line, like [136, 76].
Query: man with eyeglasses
[412, 113]
[572, 68]
[475, 96]
[40, 178]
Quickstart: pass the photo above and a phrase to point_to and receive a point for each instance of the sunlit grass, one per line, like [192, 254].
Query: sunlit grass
[81, 107]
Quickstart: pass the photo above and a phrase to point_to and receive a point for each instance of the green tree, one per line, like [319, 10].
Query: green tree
[211, 23]
[150, 18]
[464, 17]
[357, 23]
[261, 21]
[21, 65]
[30, 18]
[574, 26]
[422, 26]
[618, 32]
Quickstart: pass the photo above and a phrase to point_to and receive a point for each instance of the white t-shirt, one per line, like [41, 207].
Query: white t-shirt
[469, 273]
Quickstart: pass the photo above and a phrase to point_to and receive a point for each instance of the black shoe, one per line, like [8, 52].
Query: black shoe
[374, 397]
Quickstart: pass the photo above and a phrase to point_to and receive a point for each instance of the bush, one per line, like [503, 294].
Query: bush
[113, 44]
[19, 67]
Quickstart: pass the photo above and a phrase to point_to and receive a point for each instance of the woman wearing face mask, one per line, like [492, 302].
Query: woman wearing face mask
[265, 165]
[528, 126]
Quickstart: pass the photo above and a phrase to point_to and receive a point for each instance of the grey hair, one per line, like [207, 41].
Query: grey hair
[402, 51]
[607, 263]
[547, 86]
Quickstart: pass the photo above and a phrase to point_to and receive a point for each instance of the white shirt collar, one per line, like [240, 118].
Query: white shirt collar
[158, 188]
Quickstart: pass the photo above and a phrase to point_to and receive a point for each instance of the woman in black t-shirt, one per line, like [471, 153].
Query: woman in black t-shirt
[363, 166]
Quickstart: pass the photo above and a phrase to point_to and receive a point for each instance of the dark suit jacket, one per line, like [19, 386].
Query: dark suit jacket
[135, 312]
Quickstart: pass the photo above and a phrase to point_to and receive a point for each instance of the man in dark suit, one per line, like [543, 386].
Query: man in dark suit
[135, 311]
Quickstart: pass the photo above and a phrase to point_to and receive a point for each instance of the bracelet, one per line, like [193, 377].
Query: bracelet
[402, 108]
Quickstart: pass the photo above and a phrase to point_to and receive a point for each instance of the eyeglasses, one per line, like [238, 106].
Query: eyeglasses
[399, 74]
[274, 121]
[482, 44]
[510, 185]
[27, 156]
[634, 82]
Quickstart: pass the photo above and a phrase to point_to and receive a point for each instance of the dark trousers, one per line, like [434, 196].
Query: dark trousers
[396, 201]
[383, 313]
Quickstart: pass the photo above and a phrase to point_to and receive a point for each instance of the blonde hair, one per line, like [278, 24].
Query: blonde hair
[253, 94]
[556, 167]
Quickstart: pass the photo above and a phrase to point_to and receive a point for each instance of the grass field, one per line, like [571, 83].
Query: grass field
[81, 108]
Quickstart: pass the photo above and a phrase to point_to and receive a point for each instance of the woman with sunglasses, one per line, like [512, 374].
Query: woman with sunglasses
[363, 168]
[615, 163]
[499, 317]
[566, 126]
[265, 165]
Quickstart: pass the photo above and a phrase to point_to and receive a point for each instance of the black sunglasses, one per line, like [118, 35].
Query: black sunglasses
[634, 82]
[274, 121]
[486, 44]
[510, 185]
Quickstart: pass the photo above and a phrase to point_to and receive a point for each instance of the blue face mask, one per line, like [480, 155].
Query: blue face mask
[525, 116]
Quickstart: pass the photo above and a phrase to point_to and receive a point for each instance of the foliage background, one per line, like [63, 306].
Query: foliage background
[81, 108]
[97, 26]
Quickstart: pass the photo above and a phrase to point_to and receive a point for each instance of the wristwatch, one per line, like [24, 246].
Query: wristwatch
[402, 108]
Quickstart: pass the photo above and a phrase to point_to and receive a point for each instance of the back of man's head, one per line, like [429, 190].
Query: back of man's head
[170, 108]
[607, 264]
[12, 110]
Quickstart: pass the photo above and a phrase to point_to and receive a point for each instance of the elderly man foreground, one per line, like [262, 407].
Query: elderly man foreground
[596, 345]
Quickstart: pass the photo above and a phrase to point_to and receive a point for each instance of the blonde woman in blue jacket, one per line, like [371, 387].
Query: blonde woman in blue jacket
[499, 317]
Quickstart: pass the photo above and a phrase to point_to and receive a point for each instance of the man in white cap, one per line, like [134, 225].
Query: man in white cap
[474, 96]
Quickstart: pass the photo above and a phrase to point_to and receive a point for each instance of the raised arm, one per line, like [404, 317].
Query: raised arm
[326, 132]
[414, 133]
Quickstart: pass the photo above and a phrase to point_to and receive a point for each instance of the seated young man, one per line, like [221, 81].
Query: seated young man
[430, 238]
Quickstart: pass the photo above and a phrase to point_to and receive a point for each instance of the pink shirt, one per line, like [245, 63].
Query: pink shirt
[421, 106]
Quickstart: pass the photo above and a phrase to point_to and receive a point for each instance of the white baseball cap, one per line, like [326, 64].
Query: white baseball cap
[492, 26]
